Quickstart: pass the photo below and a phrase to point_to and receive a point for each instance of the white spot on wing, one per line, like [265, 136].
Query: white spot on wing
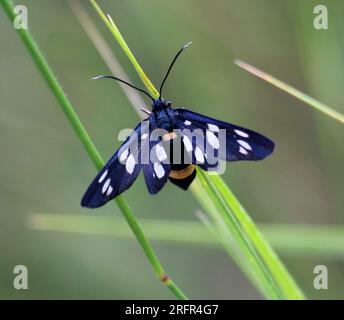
[109, 191]
[187, 143]
[199, 155]
[144, 136]
[124, 155]
[102, 177]
[106, 185]
[187, 122]
[244, 144]
[130, 164]
[212, 139]
[213, 127]
[160, 152]
[243, 151]
[241, 133]
[159, 170]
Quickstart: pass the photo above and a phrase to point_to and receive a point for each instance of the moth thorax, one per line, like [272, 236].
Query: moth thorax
[169, 136]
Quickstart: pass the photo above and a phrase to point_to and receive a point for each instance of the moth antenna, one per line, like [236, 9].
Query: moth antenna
[123, 81]
[171, 65]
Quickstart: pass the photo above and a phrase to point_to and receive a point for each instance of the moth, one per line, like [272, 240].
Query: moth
[124, 166]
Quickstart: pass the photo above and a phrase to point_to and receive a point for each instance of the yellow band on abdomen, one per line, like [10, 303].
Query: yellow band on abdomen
[182, 174]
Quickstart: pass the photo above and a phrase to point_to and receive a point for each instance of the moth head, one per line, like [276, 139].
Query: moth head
[161, 103]
[167, 103]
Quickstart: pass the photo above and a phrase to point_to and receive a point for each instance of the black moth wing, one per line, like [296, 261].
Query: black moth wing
[120, 171]
[241, 143]
[158, 168]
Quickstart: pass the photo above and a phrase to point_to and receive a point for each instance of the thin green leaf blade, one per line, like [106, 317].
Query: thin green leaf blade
[291, 90]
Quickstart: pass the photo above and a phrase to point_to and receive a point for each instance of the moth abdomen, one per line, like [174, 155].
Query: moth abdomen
[182, 175]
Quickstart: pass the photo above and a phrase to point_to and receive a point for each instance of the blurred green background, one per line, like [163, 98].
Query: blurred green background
[44, 168]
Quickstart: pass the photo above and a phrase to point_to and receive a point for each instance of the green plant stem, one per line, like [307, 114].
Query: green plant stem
[280, 273]
[114, 30]
[81, 132]
[228, 210]
[269, 287]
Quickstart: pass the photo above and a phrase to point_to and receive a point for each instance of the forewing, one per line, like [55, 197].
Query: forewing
[158, 168]
[120, 171]
[241, 143]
